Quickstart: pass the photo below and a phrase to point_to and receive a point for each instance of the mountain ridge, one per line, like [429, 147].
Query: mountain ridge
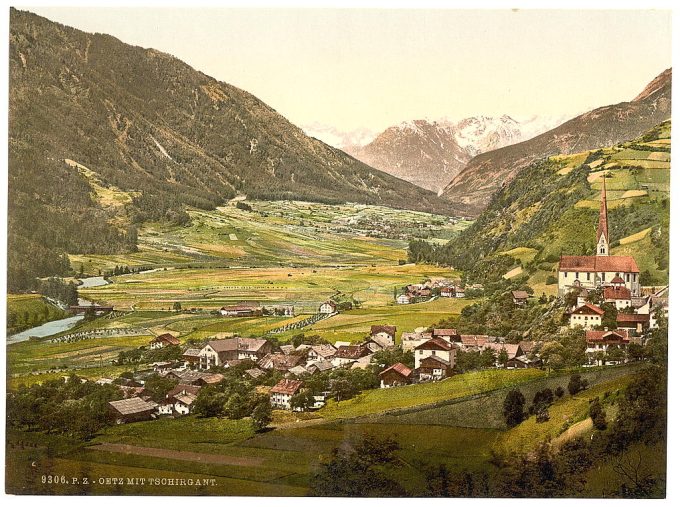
[152, 127]
[473, 187]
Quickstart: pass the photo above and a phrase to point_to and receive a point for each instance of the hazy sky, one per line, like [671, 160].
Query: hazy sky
[374, 68]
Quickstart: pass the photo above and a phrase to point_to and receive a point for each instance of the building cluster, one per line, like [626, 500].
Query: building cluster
[618, 278]
[419, 292]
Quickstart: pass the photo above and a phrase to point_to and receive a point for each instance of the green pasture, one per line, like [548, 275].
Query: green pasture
[29, 310]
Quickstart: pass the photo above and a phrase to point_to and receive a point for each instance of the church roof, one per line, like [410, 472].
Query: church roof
[595, 264]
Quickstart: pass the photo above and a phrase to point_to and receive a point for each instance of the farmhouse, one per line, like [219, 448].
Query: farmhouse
[385, 333]
[433, 368]
[601, 269]
[396, 375]
[283, 391]
[328, 307]
[321, 352]
[618, 295]
[219, 352]
[511, 349]
[404, 299]
[192, 357]
[599, 343]
[132, 410]
[588, 316]
[164, 340]
[347, 354]
[280, 362]
[242, 310]
[520, 297]
[450, 335]
[376, 343]
[409, 341]
[520, 362]
[470, 342]
[320, 366]
[435, 347]
[633, 322]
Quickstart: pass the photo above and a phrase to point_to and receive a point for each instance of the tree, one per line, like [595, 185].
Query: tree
[177, 306]
[503, 357]
[559, 391]
[487, 358]
[362, 470]
[552, 354]
[575, 384]
[158, 386]
[513, 408]
[304, 400]
[597, 415]
[262, 415]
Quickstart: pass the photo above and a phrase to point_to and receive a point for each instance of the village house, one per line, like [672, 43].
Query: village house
[362, 363]
[618, 295]
[192, 357]
[298, 371]
[435, 347]
[242, 310]
[635, 323]
[433, 368]
[377, 343]
[283, 391]
[598, 343]
[347, 354]
[511, 349]
[328, 307]
[521, 362]
[447, 292]
[409, 341]
[255, 373]
[320, 366]
[601, 269]
[197, 378]
[385, 333]
[472, 342]
[404, 299]
[320, 352]
[582, 297]
[396, 375]
[132, 410]
[520, 297]
[280, 362]
[164, 340]
[219, 352]
[587, 316]
[287, 349]
[450, 334]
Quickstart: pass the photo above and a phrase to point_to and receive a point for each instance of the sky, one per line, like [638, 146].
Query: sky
[352, 69]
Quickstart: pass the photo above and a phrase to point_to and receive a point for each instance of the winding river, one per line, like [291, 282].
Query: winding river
[61, 325]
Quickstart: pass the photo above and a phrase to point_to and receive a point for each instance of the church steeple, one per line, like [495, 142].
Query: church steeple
[603, 227]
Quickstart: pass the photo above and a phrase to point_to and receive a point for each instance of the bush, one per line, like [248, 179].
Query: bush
[513, 408]
[597, 415]
[575, 384]
[559, 391]
[551, 280]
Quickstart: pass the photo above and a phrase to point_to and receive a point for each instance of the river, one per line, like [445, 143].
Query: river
[61, 325]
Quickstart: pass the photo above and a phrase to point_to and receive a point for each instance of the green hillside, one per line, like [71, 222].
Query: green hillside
[551, 208]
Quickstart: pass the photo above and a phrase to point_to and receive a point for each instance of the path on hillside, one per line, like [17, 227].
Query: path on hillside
[199, 457]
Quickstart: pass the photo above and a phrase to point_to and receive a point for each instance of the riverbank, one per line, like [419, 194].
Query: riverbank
[33, 315]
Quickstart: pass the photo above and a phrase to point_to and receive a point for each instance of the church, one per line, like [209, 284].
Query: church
[601, 269]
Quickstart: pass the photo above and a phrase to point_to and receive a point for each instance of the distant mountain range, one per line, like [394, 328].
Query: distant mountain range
[431, 153]
[472, 188]
[157, 134]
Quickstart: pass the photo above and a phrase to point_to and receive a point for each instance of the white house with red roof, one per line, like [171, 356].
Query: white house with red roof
[601, 269]
[435, 347]
[587, 316]
[283, 391]
[619, 295]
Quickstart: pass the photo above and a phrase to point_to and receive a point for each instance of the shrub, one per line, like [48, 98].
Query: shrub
[559, 391]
